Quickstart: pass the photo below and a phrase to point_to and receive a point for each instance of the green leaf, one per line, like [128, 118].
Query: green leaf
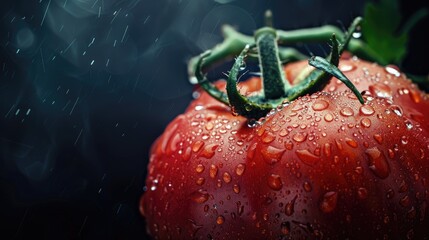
[380, 29]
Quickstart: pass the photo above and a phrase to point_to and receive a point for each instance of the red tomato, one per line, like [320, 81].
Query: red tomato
[323, 166]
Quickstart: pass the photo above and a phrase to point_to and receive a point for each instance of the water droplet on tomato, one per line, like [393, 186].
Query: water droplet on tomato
[320, 105]
[307, 157]
[283, 132]
[378, 138]
[299, 137]
[236, 188]
[271, 154]
[365, 122]
[328, 117]
[220, 220]
[329, 202]
[396, 109]
[390, 193]
[208, 151]
[307, 186]
[393, 70]
[405, 201]
[346, 112]
[200, 181]
[239, 169]
[209, 126]
[213, 171]
[377, 162]
[327, 149]
[404, 140]
[415, 96]
[199, 168]
[186, 155]
[347, 67]
[362, 193]
[289, 145]
[226, 177]
[366, 110]
[251, 151]
[380, 90]
[275, 182]
[197, 146]
[408, 124]
[268, 137]
[290, 207]
[351, 142]
[200, 196]
[285, 228]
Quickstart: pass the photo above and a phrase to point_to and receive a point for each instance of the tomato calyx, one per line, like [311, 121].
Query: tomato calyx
[276, 89]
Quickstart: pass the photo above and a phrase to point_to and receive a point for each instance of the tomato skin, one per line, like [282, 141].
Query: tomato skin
[322, 167]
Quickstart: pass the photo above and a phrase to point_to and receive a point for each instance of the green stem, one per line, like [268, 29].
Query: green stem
[324, 65]
[241, 105]
[234, 42]
[272, 74]
[211, 89]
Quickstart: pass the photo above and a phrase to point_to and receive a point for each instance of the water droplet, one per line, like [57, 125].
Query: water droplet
[197, 146]
[365, 122]
[351, 142]
[307, 186]
[415, 96]
[378, 138]
[408, 124]
[208, 151]
[209, 126]
[404, 140]
[327, 149]
[299, 137]
[347, 67]
[377, 162]
[199, 168]
[200, 196]
[200, 181]
[403, 187]
[289, 145]
[328, 117]
[290, 207]
[362, 193]
[268, 137]
[391, 153]
[213, 171]
[236, 188]
[380, 90]
[396, 109]
[366, 110]
[346, 112]
[239, 169]
[186, 155]
[226, 177]
[393, 70]
[320, 105]
[307, 157]
[220, 220]
[329, 202]
[390, 193]
[252, 123]
[271, 154]
[251, 151]
[283, 132]
[405, 201]
[275, 182]
[285, 228]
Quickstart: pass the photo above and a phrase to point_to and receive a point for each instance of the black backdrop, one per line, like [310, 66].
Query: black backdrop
[87, 85]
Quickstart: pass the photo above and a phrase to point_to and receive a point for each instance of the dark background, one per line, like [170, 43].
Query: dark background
[87, 85]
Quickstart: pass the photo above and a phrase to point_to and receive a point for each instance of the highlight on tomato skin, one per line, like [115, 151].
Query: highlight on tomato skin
[321, 166]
